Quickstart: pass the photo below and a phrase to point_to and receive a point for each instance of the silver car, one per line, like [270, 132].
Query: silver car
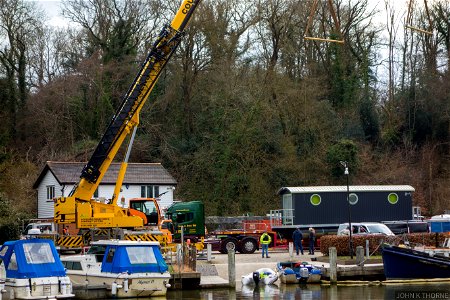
[364, 228]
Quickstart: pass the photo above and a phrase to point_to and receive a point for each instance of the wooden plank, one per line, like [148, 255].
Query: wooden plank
[419, 30]
[323, 40]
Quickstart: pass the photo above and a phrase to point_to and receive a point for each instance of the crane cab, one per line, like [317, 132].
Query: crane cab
[149, 207]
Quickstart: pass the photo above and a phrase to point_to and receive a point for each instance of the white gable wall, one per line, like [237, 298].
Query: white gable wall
[46, 206]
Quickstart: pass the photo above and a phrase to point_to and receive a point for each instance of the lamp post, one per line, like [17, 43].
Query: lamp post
[350, 242]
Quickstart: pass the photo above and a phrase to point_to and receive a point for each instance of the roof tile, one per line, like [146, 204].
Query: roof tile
[137, 173]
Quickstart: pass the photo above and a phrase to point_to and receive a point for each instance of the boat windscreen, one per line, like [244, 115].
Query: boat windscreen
[141, 255]
[97, 249]
[38, 253]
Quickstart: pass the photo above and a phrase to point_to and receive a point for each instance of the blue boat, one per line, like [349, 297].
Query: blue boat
[32, 269]
[405, 263]
[298, 272]
[118, 269]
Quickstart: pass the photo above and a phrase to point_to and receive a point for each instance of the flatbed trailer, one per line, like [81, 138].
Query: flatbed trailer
[243, 241]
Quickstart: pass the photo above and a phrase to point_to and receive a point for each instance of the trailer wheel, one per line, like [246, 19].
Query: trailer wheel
[248, 246]
[228, 244]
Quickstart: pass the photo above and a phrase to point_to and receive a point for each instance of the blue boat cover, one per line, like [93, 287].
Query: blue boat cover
[437, 226]
[31, 259]
[133, 259]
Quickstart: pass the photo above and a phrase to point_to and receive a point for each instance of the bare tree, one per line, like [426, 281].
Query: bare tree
[117, 28]
[20, 24]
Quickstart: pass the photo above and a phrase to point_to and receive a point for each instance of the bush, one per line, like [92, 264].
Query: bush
[342, 242]
[9, 232]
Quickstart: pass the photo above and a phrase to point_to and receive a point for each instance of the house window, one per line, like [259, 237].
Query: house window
[110, 256]
[315, 199]
[353, 198]
[149, 191]
[50, 192]
[393, 198]
[72, 265]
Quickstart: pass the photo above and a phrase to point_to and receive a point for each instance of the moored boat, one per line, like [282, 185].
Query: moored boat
[260, 276]
[32, 269]
[298, 272]
[406, 263]
[119, 269]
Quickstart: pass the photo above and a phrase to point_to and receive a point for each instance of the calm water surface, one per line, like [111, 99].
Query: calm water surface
[292, 291]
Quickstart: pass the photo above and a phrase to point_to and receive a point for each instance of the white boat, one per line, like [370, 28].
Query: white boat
[118, 269]
[263, 276]
[32, 269]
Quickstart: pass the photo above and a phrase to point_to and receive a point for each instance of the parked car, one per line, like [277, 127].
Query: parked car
[364, 228]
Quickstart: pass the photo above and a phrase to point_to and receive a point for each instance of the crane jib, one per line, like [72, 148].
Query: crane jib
[132, 101]
[162, 49]
[78, 207]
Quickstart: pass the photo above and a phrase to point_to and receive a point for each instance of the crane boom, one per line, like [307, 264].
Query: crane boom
[78, 206]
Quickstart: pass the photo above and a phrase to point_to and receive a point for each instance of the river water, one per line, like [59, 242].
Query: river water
[293, 291]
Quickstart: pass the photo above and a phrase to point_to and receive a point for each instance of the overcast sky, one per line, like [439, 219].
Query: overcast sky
[52, 8]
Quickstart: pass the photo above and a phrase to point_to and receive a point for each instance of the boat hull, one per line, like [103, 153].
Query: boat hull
[404, 263]
[40, 288]
[288, 278]
[263, 276]
[292, 272]
[115, 286]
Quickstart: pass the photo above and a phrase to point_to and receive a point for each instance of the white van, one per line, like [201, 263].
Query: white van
[365, 228]
[43, 227]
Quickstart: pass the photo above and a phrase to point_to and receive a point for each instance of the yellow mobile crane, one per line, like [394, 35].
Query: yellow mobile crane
[79, 207]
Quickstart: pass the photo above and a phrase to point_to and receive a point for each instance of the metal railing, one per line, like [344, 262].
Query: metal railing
[282, 217]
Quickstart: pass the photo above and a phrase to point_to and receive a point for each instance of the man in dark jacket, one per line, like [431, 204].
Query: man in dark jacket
[297, 236]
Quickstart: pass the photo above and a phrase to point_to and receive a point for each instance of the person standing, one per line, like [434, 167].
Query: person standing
[297, 236]
[312, 239]
[265, 240]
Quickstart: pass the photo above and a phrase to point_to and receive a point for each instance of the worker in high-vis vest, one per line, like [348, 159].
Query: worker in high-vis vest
[265, 240]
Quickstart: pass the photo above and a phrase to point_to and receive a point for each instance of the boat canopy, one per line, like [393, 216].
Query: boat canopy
[440, 223]
[31, 259]
[138, 258]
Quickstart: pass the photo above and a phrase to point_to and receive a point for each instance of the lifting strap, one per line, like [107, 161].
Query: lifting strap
[409, 19]
[335, 19]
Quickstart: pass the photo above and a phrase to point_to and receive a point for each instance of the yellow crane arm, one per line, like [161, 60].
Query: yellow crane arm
[124, 121]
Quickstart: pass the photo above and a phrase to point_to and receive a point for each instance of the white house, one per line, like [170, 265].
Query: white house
[148, 180]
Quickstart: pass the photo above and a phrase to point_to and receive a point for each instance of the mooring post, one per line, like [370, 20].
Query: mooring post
[179, 254]
[231, 268]
[193, 258]
[208, 252]
[367, 249]
[291, 251]
[360, 256]
[333, 265]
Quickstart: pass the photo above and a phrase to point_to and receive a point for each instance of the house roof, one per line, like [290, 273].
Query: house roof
[352, 188]
[137, 173]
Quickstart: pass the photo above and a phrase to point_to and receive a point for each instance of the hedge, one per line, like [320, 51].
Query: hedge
[342, 242]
